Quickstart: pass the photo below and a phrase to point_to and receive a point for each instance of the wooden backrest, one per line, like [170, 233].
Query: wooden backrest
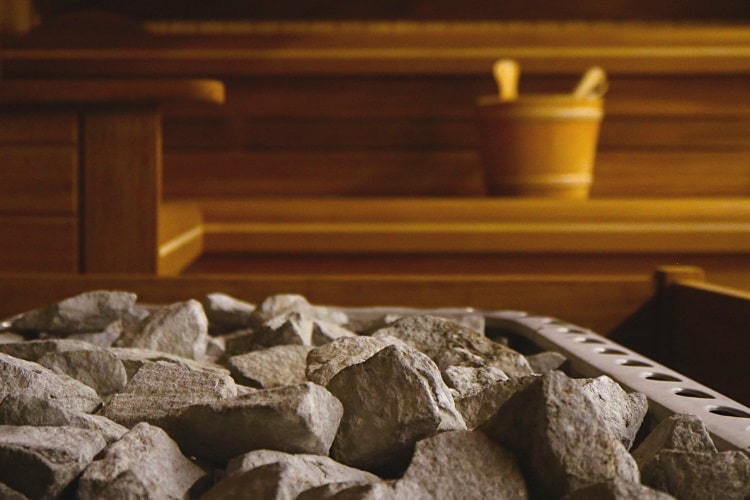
[387, 109]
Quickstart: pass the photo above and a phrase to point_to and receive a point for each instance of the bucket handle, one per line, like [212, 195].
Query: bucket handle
[593, 84]
[506, 73]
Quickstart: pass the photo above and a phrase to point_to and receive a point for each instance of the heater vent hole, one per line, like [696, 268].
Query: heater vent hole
[587, 340]
[635, 362]
[729, 412]
[662, 377]
[612, 351]
[692, 393]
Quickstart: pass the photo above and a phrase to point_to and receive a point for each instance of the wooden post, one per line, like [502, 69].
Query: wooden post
[122, 190]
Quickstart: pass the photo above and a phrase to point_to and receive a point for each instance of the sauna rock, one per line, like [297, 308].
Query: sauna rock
[273, 367]
[226, 313]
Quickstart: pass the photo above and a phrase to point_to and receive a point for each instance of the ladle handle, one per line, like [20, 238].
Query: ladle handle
[593, 84]
[506, 73]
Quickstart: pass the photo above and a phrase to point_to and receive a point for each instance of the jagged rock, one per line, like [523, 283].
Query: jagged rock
[549, 426]
[324, 332]
[681, 432]
[40, 462]
[296, 473]
[180, 328]
[471, 321]
[105, 338]
[135, 358]
[88, 312]
[87, 363]
[10, 338]
[697, 475]
[290, 328]
[391, 401]
[240, 342]
[226, 313]
[24, 409]
[215, 348]
[25, 377]
[160, 388]
[355, 491]
[272, 367]
[299, 418]
[479, 392]
[326, 361]
[449, 344]
[464, 464]
[617, 490]
[545, 362]
[8, 493]
[283, 304]
[619, 412]
[145, 463]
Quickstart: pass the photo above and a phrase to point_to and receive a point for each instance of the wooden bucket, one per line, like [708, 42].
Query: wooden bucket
[539, 145]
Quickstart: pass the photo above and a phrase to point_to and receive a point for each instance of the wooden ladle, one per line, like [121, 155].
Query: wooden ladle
[593, 84]
[506, 73]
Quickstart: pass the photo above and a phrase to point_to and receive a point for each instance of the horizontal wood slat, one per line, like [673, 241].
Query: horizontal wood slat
[180, 237]
[31, 127]
[420, 133]
[38, 180]
[438, 173]
[39, 244]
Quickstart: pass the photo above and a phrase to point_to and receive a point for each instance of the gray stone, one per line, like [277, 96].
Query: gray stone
[135, 358]
[617, 490]
[324, 332]
[180, 328]
[324, 362]
[479, 392]
[87, 363]
[449, 344]
[464, 464]
[10, 338]
[160, 388]
[299, 418]
[226, 313]
[545, 362]
[549, 426]
[314, 470]
[240, 342]
[272, 367]
[105, 338]
[215, 348]
[697, 476]
[283, 304]
[145, 463]
[25, 409]
[391, 401]
[681, 432]
[350, 490]
[621, 413]
[291, 328]
[471, 321]
[25, 377]
[40, 462]
[88, 312]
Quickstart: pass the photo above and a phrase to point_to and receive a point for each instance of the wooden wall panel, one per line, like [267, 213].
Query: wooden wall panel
[39, 244]
[30, 127]
[38, 180]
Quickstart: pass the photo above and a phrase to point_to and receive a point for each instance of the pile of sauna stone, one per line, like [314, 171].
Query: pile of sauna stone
[101, 397]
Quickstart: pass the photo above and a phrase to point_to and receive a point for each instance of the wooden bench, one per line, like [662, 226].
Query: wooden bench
[80, 183]
[349, 147]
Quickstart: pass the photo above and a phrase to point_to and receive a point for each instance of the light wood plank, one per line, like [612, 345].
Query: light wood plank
[34, 127]
[598, 302]
[122, 189]
[39, 180]
[180, 237]
[39, 244]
